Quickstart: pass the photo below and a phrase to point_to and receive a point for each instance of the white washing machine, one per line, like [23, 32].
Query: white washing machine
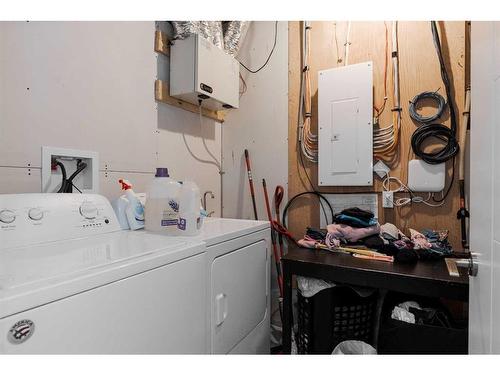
[72, 282]
[238, 288]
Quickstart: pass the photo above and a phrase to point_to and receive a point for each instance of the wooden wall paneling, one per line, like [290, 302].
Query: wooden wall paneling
[419, 71]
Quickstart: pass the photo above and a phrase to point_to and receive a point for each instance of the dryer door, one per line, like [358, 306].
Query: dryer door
[239, 289]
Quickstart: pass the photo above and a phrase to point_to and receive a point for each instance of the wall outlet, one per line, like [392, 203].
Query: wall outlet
[387, 199]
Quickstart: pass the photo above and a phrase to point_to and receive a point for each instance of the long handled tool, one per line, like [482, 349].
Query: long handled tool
[277, 258]
[278, 198]
[462, 213]
[250, 182]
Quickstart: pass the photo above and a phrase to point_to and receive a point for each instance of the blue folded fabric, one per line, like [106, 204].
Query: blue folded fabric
[354, 221]
[440, 247]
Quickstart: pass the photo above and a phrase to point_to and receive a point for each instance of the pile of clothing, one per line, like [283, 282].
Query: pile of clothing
[358, 227]
[349, 226]
[432, 244]
[411, 312]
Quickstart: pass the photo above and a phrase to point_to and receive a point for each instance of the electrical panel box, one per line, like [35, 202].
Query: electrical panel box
[345, 129]
[201, 70]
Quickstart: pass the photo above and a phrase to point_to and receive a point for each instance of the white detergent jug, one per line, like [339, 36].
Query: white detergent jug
[190, 220]
[162, 204]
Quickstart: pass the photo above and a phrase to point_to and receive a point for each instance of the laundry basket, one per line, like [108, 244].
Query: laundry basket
[334, 315]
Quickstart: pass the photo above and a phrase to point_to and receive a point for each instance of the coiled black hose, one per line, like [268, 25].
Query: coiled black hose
[320, 196]
[442, 133]
[432, 95]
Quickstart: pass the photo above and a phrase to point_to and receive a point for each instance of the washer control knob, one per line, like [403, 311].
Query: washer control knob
[88, 210]
[7, 216]
[35, 214]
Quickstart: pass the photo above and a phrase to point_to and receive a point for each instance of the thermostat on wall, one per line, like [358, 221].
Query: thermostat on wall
[424, 177]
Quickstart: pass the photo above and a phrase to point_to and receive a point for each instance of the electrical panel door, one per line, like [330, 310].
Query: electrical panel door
[345, 108]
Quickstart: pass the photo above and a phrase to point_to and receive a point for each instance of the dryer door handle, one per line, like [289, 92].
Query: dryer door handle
[220, 308]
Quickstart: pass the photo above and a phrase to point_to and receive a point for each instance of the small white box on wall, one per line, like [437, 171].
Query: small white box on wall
[345, 128]
[424, 177]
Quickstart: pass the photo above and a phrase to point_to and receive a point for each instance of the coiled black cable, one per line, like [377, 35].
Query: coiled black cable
[320, 196]
[441, 132]
[432, 95]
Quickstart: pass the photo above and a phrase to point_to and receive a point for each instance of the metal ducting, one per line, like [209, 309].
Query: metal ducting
[227, 35]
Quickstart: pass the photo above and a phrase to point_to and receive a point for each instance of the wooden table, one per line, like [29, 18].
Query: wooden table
[430, 279]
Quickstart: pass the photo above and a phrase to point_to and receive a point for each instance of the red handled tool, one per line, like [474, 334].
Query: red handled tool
[250, 182]
[279, 192]
[277, 257]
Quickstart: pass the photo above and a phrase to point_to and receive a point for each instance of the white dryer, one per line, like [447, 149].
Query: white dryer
[238, 288]
[72, 282]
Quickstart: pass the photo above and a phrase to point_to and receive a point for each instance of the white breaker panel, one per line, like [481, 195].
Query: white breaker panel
[345, 111]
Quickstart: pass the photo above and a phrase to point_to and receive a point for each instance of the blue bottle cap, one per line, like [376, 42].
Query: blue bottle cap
[162, 172]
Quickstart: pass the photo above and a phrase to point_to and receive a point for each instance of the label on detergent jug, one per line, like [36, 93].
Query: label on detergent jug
[182, 224]
[139, 212]
[170, 215]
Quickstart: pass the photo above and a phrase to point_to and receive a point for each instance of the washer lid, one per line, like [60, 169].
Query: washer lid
[217, 230]
[31, 276]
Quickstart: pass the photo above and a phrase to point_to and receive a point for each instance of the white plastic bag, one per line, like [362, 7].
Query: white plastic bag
[354, 347]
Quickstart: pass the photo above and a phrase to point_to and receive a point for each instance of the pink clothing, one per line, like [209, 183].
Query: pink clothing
[350, 234]
[311, 244]
[419, 240]
[331, 241]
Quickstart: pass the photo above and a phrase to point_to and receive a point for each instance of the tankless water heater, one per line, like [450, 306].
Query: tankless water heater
[201, 70]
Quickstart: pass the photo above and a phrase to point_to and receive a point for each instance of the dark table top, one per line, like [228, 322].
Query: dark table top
[429, 278]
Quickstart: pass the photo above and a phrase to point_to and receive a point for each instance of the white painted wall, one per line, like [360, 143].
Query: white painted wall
[260, 124]
[90, 85]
